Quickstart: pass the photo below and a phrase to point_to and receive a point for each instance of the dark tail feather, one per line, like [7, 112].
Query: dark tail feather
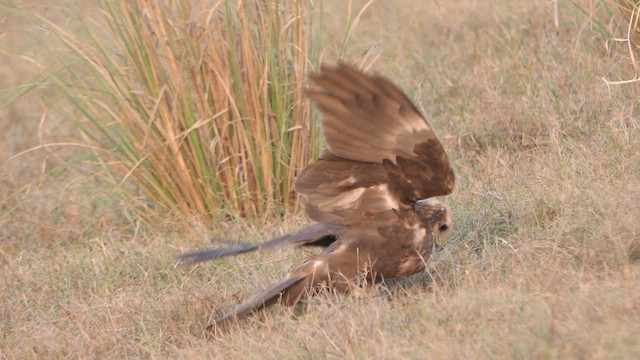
[290, 289]
[317, 234]
[203, 255]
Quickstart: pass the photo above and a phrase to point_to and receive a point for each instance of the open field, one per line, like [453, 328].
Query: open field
[544, 259]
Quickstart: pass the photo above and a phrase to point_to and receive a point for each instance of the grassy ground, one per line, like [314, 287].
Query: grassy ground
[544, 261]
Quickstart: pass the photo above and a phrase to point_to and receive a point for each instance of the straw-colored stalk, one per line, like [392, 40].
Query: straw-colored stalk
[630, 13]
[201, 107]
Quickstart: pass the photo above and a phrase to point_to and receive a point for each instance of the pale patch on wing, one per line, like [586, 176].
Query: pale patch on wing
[419, 233]
[317, 264]
[390, 200]
[343, 201]
[352, 206]
[411, 265]
[377, 203]
[428, 201]
[340, 248]
[347, 182]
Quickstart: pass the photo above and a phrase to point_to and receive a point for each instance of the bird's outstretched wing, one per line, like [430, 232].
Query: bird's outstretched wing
[381, 152]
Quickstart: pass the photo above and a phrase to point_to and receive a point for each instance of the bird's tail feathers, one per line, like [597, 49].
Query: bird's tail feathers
[194, 257]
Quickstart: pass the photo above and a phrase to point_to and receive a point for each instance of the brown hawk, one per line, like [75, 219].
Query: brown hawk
[372, 192]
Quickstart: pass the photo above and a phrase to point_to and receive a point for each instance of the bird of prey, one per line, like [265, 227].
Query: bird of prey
[372, 192]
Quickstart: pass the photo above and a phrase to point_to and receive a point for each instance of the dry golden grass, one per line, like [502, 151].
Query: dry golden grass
[544, 261]
[188, 108]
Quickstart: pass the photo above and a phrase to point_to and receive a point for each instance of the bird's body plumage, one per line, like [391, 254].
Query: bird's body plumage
[372, 191]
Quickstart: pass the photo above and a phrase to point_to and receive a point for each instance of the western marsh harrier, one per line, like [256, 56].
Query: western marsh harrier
[372, 192]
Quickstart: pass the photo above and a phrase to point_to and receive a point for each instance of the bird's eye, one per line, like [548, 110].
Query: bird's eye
[444, 227]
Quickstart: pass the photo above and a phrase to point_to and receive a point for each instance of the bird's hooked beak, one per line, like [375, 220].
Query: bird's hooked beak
[438, 247]
[440, 242]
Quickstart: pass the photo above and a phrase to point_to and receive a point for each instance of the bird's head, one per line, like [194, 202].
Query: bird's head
[435, 215]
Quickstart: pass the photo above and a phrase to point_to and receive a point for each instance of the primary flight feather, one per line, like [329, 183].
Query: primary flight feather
[372, 192]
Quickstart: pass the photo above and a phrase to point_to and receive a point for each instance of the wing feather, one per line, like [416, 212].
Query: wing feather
[380, 150]
[337, 190]
[366, 110]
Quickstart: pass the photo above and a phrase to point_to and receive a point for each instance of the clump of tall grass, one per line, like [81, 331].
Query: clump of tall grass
[195, 108]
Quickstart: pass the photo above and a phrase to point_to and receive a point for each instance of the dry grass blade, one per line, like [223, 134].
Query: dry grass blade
[617, 20]
[200, 107]
[628, 10]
